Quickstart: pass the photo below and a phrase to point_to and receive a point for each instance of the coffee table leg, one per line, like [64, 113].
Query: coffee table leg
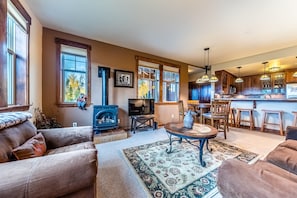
[170, 145]
[207, 147]
[202, 141]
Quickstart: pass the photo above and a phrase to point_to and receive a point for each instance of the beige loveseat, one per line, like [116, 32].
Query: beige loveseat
[58, 162]
[273, 177]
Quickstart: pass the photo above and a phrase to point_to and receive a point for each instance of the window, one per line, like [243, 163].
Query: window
[170, 84]
[16, 72]
[154, 76]
[148, 82]
[74, 71]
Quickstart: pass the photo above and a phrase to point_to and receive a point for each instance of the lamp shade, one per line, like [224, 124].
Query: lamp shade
[213, 79]
[205, 78]
[238, 80]
[295, 75]
[264, 77]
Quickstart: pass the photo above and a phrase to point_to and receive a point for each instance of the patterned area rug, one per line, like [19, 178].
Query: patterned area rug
[179, 174]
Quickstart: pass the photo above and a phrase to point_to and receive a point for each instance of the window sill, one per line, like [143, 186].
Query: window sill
[69, 105]
[15, 108]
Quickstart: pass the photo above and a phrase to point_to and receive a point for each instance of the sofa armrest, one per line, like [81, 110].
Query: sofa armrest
[291, 133]
[239, 179]
[49, 176]
[58, 137]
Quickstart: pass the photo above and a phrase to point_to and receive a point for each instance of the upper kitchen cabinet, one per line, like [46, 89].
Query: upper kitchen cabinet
[289, 76]
[250, 85]
[226, 82]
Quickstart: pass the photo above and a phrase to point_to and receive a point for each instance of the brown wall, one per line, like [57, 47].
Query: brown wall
[102, 54]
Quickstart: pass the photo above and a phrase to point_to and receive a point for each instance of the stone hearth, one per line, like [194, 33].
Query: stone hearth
[110, 135]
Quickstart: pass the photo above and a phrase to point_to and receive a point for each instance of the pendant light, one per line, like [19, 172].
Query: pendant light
[205, 78]
[264, 76]
[238, 79]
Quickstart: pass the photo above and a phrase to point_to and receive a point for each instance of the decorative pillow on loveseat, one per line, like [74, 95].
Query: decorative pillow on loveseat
[34, 147]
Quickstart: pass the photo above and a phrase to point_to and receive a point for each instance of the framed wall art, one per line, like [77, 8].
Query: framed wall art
[123, 78]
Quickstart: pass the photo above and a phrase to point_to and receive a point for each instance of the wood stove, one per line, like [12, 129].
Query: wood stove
[105, 116]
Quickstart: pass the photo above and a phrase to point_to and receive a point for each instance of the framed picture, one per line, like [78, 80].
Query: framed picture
[123, 78]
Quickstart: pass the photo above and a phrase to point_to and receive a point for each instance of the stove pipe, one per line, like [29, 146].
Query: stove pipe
[104, 73]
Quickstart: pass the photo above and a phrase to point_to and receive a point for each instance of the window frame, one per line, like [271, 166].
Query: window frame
[3, 59]
[59, 93]
[161, 64]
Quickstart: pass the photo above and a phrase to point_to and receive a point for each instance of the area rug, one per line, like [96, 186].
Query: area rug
[179, 174]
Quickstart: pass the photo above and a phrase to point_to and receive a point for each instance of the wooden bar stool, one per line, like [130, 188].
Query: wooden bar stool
[280, 117]
[295, 118]
[232, 117]
[250, 120]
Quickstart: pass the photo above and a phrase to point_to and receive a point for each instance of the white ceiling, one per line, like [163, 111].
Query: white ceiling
[177, 29]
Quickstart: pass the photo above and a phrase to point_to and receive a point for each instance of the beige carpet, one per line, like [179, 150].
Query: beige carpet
[116, 179]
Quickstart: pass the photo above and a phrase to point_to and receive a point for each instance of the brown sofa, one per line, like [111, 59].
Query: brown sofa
[273, 177]
[58, 162]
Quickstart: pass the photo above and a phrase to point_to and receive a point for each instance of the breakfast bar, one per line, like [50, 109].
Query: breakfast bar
[286, 106]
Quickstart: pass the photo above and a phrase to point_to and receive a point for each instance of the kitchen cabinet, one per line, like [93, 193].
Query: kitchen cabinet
[244, 87]
[225, 82]
[256, 84]
[289, 76]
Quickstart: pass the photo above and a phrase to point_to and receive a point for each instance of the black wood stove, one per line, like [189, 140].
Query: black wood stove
[105, 117]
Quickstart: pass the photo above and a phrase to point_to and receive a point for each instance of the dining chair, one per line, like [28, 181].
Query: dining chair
[219, 113]
[181, 111]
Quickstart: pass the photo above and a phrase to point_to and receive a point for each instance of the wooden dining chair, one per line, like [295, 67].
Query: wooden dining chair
[181, 111]
[219, 113]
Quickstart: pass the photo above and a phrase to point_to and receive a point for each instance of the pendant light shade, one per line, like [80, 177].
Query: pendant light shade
[264, 76]
[238, 79]
[213, 79]
[205, 78]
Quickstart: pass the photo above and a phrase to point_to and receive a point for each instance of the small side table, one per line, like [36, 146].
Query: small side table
[141, 121]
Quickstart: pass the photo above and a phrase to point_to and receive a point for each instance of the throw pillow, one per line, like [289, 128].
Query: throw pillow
[34, 147]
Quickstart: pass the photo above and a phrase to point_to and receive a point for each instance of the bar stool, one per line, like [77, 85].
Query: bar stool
[295, 118]
[232, 117]
[271, 112]
[250, 120]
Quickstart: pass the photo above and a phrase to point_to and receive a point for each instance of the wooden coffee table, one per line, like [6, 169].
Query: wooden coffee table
[201, 132]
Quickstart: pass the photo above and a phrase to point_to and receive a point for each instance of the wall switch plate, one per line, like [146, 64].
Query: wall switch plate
[74, 124]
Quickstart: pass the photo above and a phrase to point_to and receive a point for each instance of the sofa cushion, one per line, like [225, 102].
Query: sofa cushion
[13, 137]
[73, 147]
[284, 156]
[34, 147]
[238, 179]
[269, 167]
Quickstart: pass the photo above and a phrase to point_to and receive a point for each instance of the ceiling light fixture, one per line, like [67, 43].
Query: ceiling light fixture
[264, 76]
[274, 68]
[238, 79]
[205, 78]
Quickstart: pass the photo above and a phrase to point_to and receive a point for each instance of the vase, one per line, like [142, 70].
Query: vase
[188, 120]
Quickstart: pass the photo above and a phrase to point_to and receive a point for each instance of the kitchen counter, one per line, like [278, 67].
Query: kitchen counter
[257, 104]
[259, 99]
